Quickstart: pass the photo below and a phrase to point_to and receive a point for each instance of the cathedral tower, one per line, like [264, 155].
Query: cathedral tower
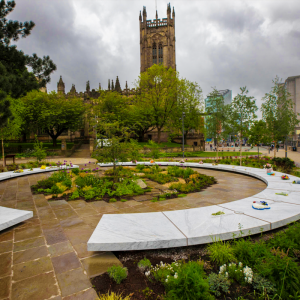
[157, 40]
[61, 86]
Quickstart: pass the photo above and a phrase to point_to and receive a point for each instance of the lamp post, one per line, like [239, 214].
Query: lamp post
[183, 115]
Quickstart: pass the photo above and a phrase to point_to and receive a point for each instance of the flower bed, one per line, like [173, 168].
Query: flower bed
[260, 267]
[87, 184]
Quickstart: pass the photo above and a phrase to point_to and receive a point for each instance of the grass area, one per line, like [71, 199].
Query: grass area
[45, 144]
[161, 145]
[204, 154]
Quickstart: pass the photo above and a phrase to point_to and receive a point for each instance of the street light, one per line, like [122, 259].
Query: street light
[183, 115]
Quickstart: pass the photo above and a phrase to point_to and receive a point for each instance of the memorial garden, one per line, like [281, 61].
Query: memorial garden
[117, 217]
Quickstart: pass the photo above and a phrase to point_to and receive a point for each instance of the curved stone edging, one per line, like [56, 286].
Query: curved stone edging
[12, 216]
[195, 226]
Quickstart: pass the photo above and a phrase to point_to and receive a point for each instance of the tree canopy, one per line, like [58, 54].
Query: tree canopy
[52, 113]
[15, 78]
[242, 115]
[157, 92]
[278, 113]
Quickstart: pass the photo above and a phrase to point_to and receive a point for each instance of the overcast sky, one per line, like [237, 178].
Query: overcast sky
[219, 43]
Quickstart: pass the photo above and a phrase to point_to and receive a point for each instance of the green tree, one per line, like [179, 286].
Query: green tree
[190, 102]
[157, 92]
[11, 111]
[278, 113]
[53, 113]
[242, 115]
[15, 79]
[258, 134]
[116, 149]
[217, 117]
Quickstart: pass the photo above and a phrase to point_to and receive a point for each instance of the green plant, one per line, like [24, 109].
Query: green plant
[221, 252]
[147, 292]
[123, 200]
[263, 285]
[218, 213]
[190, 283]
[111, 200]
[74, 195]
[218, 283]
[113, 296]
[39, 151]
[75, 171]
[144, 264]
[117, 273]
[181, 195]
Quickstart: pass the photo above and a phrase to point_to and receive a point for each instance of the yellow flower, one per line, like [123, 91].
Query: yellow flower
[43, 167]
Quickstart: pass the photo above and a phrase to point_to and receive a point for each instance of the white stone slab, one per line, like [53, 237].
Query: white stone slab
[10, 216]
[201, 227]
[278, 215]
[284, 185]
[135, 232]
[269, 194]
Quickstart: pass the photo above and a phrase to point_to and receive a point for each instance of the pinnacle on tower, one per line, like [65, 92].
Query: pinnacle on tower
[173, 13]
[140, 17]
[126, 85]
[61, 85]
[144, 14]
[88, 86]
[169, 9]
[112, 85]
[118, 87]
[109, 84]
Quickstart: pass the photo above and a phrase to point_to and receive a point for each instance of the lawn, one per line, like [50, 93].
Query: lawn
[202, 154]
[45, 144]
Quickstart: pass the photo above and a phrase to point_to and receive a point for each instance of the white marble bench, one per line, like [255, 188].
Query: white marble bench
[120, 232]
[11, 216]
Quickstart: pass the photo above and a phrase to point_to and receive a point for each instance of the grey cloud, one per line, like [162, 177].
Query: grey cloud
[226, 44]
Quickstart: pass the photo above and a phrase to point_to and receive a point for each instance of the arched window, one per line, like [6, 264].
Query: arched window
[160, 54]
[154, 54]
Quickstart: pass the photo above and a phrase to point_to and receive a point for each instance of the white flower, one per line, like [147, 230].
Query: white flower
[147, 273]
[226, 274]
[240, 264]
[167, 280]
[175, 276]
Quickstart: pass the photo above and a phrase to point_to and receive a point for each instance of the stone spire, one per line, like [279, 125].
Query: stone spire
[108, 84]
[60, 86]
[126, 85]
[88, 86]
[73, 89]
[112, 85]
[99, 86]
[118, 87]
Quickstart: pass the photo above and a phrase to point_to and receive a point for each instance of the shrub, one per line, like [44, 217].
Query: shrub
[117, 273]
[75, 171]
[218, 283]
[263, 285]
[111, 200]
[144, 264]
[190, 283]
[221, 252]
[182, 195]
[74, 195]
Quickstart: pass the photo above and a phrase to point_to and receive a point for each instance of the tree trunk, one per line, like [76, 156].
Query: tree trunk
[217, 147]
[54, 141]
[3, 154]
[275, 149]
[241, 150]
[158, 135]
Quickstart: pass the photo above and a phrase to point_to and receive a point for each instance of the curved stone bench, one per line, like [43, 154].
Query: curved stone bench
[11, 216]
[195, 226]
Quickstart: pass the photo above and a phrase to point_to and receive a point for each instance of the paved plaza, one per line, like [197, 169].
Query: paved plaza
[47, 255]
